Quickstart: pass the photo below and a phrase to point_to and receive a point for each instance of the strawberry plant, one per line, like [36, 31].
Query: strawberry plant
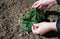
[32, 16]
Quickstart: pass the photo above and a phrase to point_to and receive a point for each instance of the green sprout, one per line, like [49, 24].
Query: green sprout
[33, 16]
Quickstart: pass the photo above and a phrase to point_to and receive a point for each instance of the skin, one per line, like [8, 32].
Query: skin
[44, 4]
[43, 27]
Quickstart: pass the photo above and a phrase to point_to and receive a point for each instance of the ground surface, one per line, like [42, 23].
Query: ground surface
[10, 13]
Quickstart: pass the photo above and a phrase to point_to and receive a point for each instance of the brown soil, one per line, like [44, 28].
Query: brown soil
[10, 13]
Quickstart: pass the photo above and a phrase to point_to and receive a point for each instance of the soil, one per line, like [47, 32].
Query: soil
[10, 13]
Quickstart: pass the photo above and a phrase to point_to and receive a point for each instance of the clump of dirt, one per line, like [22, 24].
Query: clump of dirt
[10, 13]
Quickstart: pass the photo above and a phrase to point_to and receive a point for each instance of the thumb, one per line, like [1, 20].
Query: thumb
[36, 31]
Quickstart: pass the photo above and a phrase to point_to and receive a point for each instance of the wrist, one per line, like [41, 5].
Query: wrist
[55, 1]
[53, 26]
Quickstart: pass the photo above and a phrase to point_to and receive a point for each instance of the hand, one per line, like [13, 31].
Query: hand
[43, 4]
[42, 28]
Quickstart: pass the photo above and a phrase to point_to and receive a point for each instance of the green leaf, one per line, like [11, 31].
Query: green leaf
[33, 16]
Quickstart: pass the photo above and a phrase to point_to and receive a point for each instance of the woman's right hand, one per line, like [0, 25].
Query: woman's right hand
[43, 27]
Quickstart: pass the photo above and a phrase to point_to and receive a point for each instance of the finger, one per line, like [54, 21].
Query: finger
[50, 5]
[35, 4]
[44, 8]
[36, 31]
[40, 6]
[34, 27]
[33, 30]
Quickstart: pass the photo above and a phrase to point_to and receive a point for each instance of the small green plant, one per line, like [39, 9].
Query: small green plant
[32, 16]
